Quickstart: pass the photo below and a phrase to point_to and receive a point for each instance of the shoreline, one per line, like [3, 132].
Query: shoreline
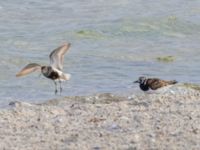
[168, 120]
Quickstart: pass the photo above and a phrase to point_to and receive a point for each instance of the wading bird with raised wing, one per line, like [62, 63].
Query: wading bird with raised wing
[54, 71]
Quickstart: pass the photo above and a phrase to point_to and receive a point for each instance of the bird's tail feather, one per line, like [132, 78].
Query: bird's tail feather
[65, 76]
[172, 82]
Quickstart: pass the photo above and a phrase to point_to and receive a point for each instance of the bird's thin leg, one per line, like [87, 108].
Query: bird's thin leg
[56, 90]
[39, 75]
[60, 87]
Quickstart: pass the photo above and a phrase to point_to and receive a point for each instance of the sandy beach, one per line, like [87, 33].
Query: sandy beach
[166, 120]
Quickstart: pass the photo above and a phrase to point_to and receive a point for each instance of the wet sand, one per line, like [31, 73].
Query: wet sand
[168, 119]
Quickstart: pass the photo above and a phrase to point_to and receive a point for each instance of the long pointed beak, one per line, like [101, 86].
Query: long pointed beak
[136, 81]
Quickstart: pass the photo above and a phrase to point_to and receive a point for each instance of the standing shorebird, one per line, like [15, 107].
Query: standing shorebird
[153, 83]
[54, 70]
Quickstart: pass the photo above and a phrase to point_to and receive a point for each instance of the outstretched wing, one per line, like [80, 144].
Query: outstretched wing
[28, 69]
[57, 56]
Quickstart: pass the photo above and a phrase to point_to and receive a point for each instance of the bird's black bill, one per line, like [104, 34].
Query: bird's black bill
[136, 81]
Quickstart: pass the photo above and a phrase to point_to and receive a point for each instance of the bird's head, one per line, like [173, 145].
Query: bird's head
[140, 80]
[45, 69]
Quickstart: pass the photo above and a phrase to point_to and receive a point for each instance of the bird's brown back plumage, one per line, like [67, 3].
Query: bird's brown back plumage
[155, 83]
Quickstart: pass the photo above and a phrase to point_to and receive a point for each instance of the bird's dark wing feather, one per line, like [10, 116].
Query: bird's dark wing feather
[29, 69]
[156, 83]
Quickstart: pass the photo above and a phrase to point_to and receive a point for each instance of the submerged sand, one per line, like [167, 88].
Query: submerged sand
[166, 120]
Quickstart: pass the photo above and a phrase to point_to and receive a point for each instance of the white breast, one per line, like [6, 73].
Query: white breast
[62, 76]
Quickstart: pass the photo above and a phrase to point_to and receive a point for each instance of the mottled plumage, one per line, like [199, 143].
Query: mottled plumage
[54, 71]
[153, 83]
